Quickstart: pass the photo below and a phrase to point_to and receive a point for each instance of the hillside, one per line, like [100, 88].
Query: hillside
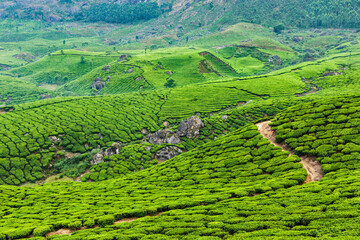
[179, 120]
[229, 199]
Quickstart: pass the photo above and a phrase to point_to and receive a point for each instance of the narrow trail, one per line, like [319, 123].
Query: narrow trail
[310, 163]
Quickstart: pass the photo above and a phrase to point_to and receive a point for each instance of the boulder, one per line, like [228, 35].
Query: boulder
[169, 73]
[45, 96]
[107, 67]
[224, 117]
[114, 149]
[97, 158]
[354, 42]
[54, 139]
[341, 47]
[164, 136]
[98, 84]
[297, 38]
[190, 127]
[275, 60]
[167, 153]
[332, 74]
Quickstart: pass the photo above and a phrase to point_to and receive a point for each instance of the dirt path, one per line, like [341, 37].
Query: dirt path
[312, 166]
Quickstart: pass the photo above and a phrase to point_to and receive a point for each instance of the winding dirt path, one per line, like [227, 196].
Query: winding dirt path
[310, 163]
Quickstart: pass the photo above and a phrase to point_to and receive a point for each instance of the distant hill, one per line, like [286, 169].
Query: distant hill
[304, 14]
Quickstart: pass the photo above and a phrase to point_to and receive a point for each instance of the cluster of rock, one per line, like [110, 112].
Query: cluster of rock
[107, 68]
[275, 60]
[45, 96]
[189, 128]
[99, 157]
[167, 153]
[98, 83]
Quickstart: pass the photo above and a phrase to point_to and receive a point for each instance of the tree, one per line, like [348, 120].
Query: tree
[64, 42]
[82, 59]
[170, 83]
[279, 28]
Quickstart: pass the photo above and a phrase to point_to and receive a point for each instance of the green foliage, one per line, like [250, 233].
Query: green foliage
[170, 83]
[125, 13]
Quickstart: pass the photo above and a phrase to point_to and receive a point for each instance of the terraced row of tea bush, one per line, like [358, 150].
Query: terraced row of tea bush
[82, 124]
[14, 91]
[328, 129]
[139, 156]
[134, 157]
[325, 209]
[319, 210]
[62, 66]
[79, 126]
[240, 164]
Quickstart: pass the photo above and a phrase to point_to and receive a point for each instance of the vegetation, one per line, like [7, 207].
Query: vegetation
[136, 120]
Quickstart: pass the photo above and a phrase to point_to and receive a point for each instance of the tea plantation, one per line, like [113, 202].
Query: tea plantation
[179, 120]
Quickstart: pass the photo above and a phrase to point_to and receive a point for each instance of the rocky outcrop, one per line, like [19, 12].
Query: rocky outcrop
[106, 68]
[297, 38]
[275, 60]
[99, 157]
[98, 84]
[164, 136]
[130, 70]
[224, 117]
[55, 139]
[169, 73]
[332, 74]
[190, 127]
[167, 153]
[45, 96]
[114, 149]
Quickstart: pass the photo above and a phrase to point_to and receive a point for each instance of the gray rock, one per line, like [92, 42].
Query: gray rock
[107, 67]
[164, 136]
[138, 78]
[276, 60]
[129, 71]
[224, 118]
[144, 131]
[114, 149]
[297, 38]
[341, 47]
[190, 127]
[167, 153]
[354, 42]
[45, 96]
[98, 84]
[332, 74]
[97, 158]
[55, 139]
[169, 73]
